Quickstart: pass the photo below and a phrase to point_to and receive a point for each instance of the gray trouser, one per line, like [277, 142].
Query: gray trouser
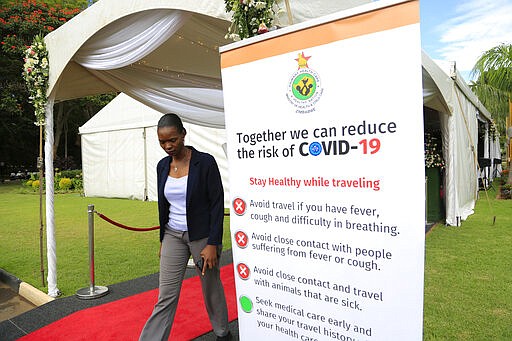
[176, 250]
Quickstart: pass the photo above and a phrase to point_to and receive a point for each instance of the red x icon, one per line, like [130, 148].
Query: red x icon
[243, 271]
[239, 206]
[241, 239]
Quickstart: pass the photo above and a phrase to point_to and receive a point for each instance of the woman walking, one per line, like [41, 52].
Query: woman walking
[191, 215]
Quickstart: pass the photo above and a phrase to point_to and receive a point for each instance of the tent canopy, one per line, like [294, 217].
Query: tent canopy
[120, 150]
[159, 52]
[445, 91]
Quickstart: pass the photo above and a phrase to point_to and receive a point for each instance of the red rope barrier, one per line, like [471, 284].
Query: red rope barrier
[137, 229]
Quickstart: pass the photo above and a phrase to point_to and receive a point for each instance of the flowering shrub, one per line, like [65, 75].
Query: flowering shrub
[64, 181]
[65, 184]
[21, 20]
[35, 72]
[35, 184]
[69, 180]
[78, 183]
[250, 17]
[433, 152]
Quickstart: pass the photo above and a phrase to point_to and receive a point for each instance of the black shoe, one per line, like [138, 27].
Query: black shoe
[226, 337]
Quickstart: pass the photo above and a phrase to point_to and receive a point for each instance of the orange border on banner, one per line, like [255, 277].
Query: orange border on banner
[361, 24]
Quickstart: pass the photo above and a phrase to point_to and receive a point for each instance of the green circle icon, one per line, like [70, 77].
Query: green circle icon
[304, 86]
[246, 304]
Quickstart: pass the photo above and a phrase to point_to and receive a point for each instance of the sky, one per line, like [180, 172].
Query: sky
[461, 30]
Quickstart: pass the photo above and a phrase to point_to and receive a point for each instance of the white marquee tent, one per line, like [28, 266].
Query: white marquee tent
[120, 150]
[445, 91]
[163, 53]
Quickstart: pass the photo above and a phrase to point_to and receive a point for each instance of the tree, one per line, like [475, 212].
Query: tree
[494, 83]
[20, 21]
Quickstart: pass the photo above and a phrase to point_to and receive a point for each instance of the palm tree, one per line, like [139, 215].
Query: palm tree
[493, 86]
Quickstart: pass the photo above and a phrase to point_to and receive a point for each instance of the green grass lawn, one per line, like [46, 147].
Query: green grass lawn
[120, 254]
[468, 276]
[468, 269]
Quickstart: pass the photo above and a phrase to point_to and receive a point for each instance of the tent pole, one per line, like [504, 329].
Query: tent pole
[41, 224]
[289, 11]
[53, 291]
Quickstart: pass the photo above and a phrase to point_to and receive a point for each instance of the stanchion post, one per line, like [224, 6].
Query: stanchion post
[93, 291]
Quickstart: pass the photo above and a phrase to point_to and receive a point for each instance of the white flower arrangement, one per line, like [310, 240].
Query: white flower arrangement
[433, 153]
[35, 72]
[250, 17]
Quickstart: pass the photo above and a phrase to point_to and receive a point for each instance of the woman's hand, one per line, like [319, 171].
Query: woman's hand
[209, 254]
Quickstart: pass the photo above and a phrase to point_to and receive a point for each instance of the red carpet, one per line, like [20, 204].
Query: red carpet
[123, 319]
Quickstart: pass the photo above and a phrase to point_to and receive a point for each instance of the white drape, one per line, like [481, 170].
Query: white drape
[51, 245]
[462, 162]
[112, 56]
[129, 39]
[196, 99]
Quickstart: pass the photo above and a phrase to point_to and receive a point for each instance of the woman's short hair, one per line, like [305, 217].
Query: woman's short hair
[171, 120]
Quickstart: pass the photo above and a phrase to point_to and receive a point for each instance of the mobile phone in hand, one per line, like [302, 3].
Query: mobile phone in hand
[200, 264]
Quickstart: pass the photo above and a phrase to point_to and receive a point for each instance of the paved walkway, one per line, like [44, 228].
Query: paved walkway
[12, 304]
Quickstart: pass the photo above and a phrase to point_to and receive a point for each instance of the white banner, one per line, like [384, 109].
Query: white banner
[325, 148]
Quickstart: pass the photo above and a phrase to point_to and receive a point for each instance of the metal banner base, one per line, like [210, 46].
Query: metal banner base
[91, 292]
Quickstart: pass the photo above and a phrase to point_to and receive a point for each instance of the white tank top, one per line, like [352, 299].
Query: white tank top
[175, 192]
